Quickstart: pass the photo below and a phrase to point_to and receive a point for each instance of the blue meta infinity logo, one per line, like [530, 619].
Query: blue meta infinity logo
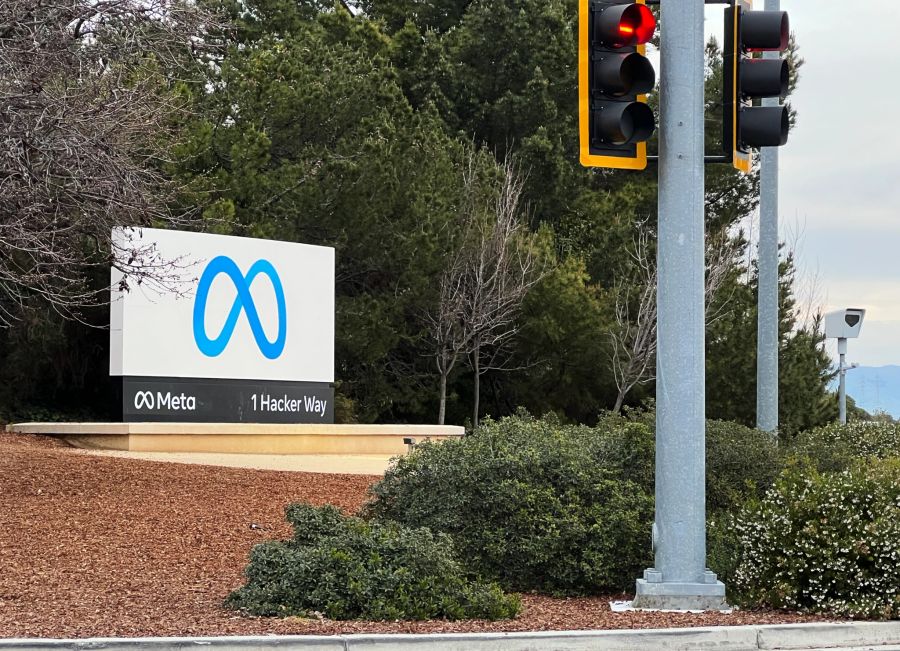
[242, 302]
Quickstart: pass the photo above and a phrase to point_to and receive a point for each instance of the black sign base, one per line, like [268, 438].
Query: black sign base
[189, 400]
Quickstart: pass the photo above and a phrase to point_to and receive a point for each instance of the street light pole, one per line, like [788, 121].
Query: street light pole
[680, 579]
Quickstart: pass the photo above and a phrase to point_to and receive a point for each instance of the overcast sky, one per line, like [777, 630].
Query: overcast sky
[840, 183]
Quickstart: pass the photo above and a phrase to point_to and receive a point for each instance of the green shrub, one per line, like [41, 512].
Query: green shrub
[741, 464]
[836, 447]
[825, 543]
[535, 504]
[565, 509]
[346, 568]
[722, 546]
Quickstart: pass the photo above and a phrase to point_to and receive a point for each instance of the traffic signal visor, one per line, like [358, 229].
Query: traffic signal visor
[614, 76]
[749, 126]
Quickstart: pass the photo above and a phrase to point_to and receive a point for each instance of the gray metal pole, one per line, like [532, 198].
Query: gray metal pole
[767, 320]
[679, 579]
[842, 387]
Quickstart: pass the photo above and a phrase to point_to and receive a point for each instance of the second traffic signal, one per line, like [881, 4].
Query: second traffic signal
[748, 126]
[613, 78]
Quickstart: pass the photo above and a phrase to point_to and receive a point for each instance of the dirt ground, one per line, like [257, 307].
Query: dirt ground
[94, 546]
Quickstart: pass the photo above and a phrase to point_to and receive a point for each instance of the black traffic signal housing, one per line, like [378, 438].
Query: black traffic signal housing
[614, 76]
[748, 127]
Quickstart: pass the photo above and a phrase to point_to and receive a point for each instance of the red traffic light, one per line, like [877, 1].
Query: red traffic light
[638, 23]
[624, 25]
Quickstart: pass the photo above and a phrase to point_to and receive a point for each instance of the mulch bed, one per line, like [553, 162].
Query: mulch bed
[95, 546]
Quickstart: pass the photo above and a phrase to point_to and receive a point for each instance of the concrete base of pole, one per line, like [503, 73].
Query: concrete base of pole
[652, 593]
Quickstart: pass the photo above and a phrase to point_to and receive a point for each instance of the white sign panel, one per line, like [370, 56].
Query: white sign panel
[241, 309]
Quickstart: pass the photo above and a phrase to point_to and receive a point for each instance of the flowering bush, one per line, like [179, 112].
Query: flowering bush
[825, 543]
[837, 447]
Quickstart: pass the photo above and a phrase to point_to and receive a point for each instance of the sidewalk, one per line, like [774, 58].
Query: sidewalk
[857, 636]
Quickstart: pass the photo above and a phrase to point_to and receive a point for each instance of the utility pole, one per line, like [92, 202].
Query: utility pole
[767, 341]
[680, 579]
[842, 370]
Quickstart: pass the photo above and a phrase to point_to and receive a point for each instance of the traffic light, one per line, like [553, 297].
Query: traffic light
[748, 126]
[613, 79]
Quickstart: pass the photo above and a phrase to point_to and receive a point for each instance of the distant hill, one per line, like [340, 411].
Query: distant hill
[875, 388]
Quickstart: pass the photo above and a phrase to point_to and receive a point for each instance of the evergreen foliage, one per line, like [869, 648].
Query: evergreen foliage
[804, 400]
[741, 464]
[533, 503]
[837, 447]
[566, 509]
[344, 568]
[354, 131]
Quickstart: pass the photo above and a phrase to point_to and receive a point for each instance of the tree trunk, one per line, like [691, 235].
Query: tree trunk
[620, 400]
[476, 355]
[443, 408]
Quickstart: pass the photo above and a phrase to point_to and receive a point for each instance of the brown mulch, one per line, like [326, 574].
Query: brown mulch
[95, 546]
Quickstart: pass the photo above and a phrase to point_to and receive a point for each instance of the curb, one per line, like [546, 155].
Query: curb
[843, 635]
[853, 636]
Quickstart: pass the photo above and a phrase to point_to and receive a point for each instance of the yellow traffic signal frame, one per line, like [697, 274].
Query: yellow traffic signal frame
[742, 161]
[639, 160]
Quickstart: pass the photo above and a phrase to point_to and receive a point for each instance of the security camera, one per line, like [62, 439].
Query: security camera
[844, 324]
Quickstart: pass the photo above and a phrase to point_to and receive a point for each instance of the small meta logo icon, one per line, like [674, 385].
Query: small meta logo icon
[144, 399]
[243, 302]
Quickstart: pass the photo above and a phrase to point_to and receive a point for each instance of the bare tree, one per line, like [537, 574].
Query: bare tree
[86, 124]
[446, 323]
[500, 270]
[485, 281]
[634, 337]
[810, 294]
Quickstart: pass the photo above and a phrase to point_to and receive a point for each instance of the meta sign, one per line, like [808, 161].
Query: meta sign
[226, 329]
